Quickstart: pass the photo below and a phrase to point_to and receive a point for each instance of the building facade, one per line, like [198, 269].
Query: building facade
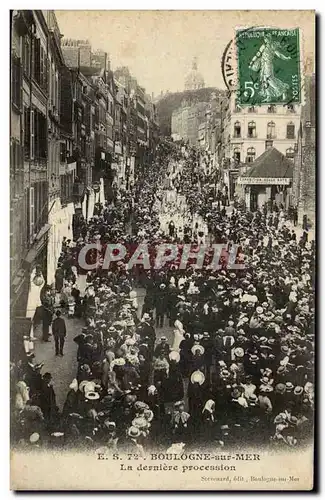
[35, 98]
[60, 175]
[19, 182]
[186, 121]
[248, 132]
[304, 174]
[71, 120]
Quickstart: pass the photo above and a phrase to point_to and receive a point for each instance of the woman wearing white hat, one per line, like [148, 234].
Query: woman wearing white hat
[197, 396]
[71, 402]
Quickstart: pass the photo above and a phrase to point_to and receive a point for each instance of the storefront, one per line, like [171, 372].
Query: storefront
[36, 263]
[268, 181]
[260, 191]
[60, 219]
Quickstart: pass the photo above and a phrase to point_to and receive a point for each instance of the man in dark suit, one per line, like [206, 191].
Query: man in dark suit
[59, 332]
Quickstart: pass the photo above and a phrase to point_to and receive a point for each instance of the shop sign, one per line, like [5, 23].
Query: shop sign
[280, 181]
[118, 147]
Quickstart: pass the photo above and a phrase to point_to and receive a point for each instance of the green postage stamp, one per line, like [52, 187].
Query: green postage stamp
[268, 66]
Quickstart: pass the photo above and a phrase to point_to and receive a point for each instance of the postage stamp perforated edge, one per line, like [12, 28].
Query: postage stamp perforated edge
[235, 61]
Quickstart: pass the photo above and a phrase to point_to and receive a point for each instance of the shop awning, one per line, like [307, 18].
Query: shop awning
[38, 244]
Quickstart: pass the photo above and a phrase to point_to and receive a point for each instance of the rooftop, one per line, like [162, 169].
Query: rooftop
[271, 163]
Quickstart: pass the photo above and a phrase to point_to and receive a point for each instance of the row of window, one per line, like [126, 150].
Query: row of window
[290, 108]
[251, 153]
[16, 82]
[35, 61]
[35, 135]
[38, 207]
[16, 168]
[270, 130]
[66, 188]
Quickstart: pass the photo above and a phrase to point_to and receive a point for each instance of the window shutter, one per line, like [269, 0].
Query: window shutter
[26, 132]
[41, 67]
[32, 134]
[56, 92]
[19, 81]
[12, 158]
[37, 59]
[59, 94]
[290, 131]
[48, 79]
[31, 213]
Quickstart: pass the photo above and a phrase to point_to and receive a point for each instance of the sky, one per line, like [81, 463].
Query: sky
[159, 46]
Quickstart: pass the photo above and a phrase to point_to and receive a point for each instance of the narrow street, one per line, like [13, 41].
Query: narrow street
[63, 369]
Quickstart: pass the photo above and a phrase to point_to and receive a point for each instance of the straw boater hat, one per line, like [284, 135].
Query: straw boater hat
[197, 347]
[174, 356]
[284, 361]
[197, 377]
[235, 393]
[178, 404]
[148, 415]
[239, 352]
[34, 438]
[92, 396]
[280, 418]
[252, 398]
[298, 390]
[266, 388]
[134, 432]
[289, 386]
[140, 423]
[111, 426]
[224, 373]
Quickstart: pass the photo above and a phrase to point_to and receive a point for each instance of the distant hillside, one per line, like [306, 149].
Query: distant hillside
[169, 102]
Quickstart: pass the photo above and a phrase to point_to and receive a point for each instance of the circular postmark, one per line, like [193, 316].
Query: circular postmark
[228, 67]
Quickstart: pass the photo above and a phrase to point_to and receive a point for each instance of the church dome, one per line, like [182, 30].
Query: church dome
[194, 80]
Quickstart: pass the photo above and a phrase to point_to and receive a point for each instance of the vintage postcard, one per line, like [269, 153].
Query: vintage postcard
[162, 181]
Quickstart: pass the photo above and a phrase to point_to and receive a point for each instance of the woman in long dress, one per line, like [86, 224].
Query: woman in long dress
[178, 335]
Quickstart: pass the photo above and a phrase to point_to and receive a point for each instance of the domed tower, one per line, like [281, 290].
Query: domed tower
[194, 80]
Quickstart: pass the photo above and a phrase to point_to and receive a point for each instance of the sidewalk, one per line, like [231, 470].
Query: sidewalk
[299, 231]
[63, 369]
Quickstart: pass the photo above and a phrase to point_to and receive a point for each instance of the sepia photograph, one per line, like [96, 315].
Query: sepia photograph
[162, 250]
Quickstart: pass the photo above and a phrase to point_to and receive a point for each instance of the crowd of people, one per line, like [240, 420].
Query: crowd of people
[238, 367]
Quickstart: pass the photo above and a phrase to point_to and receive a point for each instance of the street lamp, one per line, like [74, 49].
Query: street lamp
[38, 278]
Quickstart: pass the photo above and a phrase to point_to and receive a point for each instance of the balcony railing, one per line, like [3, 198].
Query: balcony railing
[40, 163]
[271, 136]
